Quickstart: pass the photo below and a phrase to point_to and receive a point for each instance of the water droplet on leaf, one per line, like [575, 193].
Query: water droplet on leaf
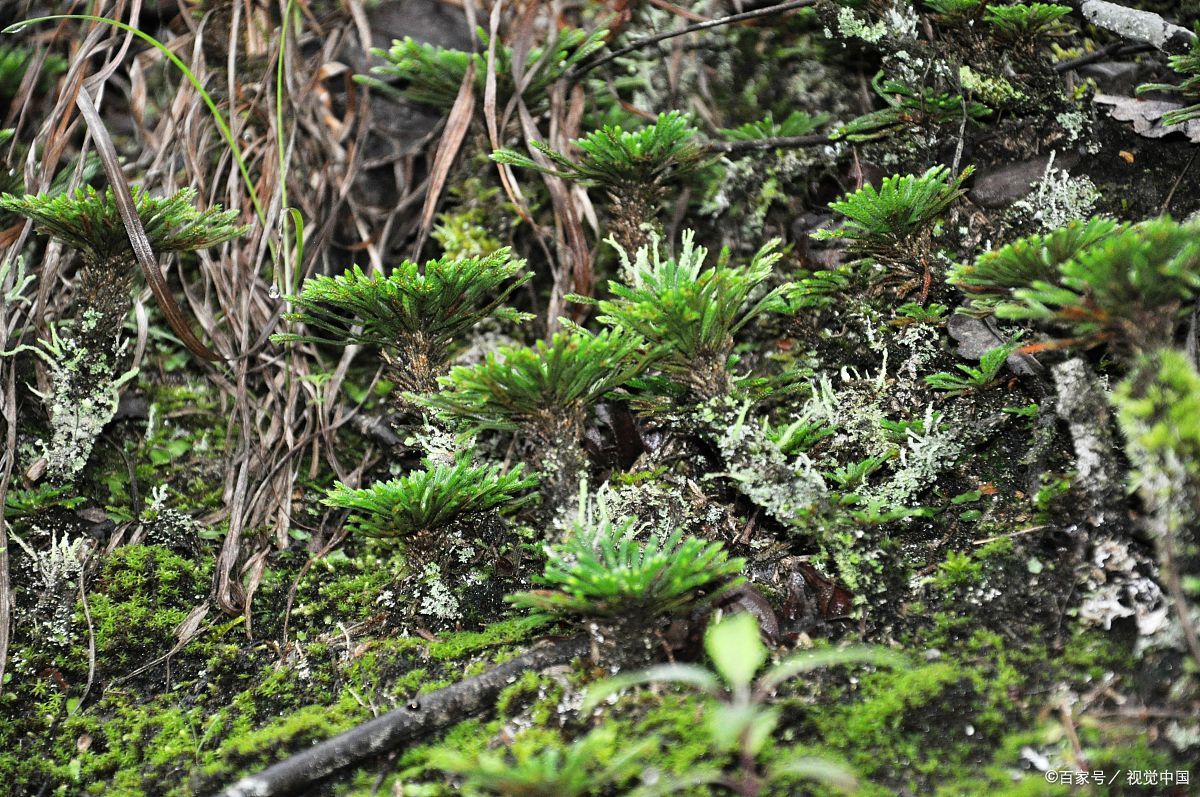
[274, 292]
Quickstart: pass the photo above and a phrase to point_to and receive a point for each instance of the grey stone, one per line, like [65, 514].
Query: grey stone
[1001, 187]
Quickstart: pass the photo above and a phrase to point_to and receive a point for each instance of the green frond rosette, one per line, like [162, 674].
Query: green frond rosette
[797, 123]
[88, 221]
[886, 221]
[525, 385]
[426, 500]
[1028, 21]
[411, 307]
[616, 159]
[689, 314]
[1130, 285]
[996, 273]
[603, 574]
[1188, 65]
[432, 75]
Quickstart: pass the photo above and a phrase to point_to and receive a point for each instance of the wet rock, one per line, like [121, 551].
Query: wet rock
[1001, 187]
[1114, 77]
[977, 336]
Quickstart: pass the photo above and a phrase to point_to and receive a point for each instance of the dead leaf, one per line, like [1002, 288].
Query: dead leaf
[1146, 116]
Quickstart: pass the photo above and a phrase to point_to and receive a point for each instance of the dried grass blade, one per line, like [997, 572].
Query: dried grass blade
[511, 189]
[452, 139]
[137, 234]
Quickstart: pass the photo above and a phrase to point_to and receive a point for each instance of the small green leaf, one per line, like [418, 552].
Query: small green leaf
[735, 648]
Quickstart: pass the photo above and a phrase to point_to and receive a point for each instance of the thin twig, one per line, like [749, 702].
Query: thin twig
[1117, 48]
[1171, 194]
[419, 719]
[582, 69]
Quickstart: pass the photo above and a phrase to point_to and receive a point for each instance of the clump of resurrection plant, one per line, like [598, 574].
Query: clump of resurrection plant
[545, 391]
[689, 314]
[84, 360]
[635, 167]
[893, 225]
[414, 314]
[602, 572]
[1099, 282]
[423, 501]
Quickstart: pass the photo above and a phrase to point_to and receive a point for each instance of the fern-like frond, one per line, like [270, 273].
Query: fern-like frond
[885, 222]
[413, 313]
[996, 273]
[617, 159]
[432, 75]
[688, 313]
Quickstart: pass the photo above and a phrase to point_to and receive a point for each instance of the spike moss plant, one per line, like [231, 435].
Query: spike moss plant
[636, 167]
[423, 501]
[1127, 285]
[602, 573]
[689, 314]
[413, 314]
[894, 224]
[85, 360]
[545, 391]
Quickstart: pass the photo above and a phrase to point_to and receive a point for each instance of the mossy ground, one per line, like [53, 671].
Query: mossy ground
[124, 678]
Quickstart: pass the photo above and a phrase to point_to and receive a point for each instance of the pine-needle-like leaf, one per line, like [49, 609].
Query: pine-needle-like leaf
[1025, 22]
[1188, 65]
[909, 108]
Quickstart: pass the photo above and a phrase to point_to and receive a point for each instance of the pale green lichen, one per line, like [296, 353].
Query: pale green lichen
[83, 399]
[1057, 199]
[926, 454]
[787, 487]
[437, 600]
[899, 21]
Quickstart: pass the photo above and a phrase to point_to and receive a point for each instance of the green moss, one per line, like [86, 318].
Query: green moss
[143, 594]
[505, 632]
